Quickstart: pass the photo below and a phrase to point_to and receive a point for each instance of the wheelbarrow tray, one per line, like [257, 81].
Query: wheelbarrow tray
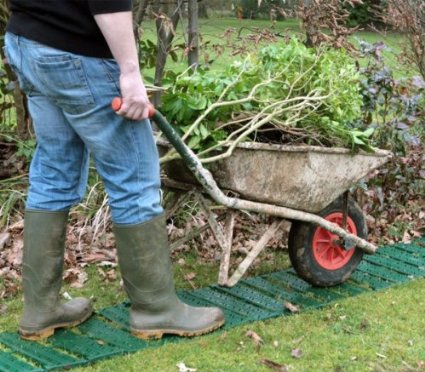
[306, 178]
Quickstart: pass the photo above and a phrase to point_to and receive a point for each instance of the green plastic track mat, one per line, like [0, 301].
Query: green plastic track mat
[107, 333]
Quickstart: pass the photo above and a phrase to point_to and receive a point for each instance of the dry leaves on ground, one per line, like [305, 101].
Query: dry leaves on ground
[256, 339]
[291, 307]
[274, 366]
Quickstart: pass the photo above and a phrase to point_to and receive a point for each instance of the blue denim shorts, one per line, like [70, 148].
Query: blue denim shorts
[69, 99]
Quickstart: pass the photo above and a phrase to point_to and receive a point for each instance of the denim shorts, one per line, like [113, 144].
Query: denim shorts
[69, 99]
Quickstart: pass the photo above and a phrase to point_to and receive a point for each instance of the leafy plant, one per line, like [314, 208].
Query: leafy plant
[26, 149]
[394, 108]
[282, 86]
[6, 99]
[396, 111]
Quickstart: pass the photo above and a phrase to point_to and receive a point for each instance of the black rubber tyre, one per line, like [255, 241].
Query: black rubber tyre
[314, 253]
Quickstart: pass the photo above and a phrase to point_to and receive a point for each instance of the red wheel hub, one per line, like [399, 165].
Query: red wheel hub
[326, 245]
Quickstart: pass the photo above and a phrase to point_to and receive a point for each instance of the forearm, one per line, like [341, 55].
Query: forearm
[117, 28]
[118, 31]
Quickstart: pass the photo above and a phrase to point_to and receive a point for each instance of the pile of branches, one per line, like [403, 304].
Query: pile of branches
[281, 94]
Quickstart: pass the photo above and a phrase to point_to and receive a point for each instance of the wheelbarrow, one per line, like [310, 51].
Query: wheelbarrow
[306, 185]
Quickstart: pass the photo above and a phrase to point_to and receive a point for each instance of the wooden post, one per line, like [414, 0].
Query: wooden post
[193, 33]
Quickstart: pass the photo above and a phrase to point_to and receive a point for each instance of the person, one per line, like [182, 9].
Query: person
[72, 57]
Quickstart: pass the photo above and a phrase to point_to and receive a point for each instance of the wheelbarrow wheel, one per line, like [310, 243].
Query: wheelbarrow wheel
[317, 255]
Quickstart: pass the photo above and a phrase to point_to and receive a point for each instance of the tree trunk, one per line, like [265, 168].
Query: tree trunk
[193, 33]
[139, 13]
[166, 24]
[23, 120]
[203, 9]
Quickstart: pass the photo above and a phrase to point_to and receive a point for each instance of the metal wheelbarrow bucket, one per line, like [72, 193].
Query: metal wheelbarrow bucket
[306, 178]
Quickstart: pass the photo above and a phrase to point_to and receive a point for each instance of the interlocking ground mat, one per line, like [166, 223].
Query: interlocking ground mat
[107, 333]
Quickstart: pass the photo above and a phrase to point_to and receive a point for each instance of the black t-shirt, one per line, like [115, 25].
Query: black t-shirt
[64, 24]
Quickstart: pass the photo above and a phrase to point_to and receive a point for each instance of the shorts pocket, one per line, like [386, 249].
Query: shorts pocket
[65, 82]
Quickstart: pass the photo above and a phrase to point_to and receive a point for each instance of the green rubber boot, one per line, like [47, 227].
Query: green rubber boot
[42, 267]
[145, 263]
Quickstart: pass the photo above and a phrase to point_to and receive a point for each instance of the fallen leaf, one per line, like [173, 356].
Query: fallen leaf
[95, 257]
[3, 309]
[256, 339]
[298, 340]
[222, 336]
[10, 289]
[296, 353]
[4, 239]
[415, 233]
[14, 255]
[291, 307]
[182, 368]
[190, 276]
[76, 277]
[67, 296]
[17, 225]
[108, 276]
[111, 275]
[406, 238]
[364, 324]
[274, 366]
[107, 264]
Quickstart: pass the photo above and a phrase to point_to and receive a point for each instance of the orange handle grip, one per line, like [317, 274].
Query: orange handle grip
[117, 102]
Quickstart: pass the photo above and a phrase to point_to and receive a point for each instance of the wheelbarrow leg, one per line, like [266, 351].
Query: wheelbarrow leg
[344, 209]
[223, 274]
[224, 238]
[253, 253]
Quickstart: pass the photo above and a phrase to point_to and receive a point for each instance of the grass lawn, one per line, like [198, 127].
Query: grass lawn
[379, 332]
[376, 331]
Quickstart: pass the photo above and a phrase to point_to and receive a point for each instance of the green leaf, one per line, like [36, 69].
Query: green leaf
[368, 132]
[197, 102]
[194, 142]
[204, 131]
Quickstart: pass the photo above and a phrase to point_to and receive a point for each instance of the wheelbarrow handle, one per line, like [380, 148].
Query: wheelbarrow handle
[117, 103]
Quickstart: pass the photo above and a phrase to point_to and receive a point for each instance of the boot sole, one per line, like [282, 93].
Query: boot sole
[156, 334]
[47, 332]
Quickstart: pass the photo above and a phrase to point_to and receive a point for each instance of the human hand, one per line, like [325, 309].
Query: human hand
[135, 102]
